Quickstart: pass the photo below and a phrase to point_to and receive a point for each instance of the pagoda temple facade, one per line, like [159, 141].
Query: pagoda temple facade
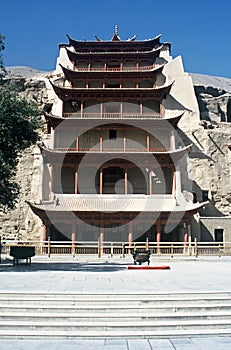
[115, 162]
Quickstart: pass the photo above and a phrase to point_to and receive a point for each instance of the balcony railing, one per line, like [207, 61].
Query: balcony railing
[116, 69]
[79, 115]
[112, 150]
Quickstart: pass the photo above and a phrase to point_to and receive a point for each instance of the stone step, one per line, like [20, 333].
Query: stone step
[114, 316]
[89, 334]
[90, 309]
[105, 325]
[69, 300]
[114, 296]
[115, 304]
[61, 315]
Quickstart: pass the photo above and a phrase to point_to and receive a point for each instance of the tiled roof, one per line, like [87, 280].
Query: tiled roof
[113, 203]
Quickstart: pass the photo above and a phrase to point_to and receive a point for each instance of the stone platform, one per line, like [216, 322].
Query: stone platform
[188, 279]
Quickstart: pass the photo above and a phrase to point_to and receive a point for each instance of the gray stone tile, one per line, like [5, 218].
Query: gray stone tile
[161, 344]
[138, 344]
[213, 343]
[115, 347]
[185, 344]
[52, 345]
[115, 344]
[8, 345]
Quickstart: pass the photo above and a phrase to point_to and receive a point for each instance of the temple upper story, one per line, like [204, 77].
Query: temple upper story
[115, 44]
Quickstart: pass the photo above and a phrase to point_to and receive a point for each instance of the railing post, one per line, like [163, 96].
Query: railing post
[111, 249]
[171, 250]
[196, 249]
[73, 249]
[123, 250]
[99, 248]
[147, 244]
[219, 251]
[190, 247]
[49, 247]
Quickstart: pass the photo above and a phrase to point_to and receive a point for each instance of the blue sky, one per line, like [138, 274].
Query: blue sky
[199, 30]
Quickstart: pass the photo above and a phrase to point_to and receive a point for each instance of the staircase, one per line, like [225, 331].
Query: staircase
[68, 315]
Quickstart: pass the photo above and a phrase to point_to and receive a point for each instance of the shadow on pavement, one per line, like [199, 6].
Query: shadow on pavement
[63, 266]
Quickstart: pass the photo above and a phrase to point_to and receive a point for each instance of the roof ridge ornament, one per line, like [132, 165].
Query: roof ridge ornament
[97, 38]
[116, 35]
[133, 38]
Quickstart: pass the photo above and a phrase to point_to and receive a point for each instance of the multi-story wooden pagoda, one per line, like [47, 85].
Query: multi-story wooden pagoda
[112, 166]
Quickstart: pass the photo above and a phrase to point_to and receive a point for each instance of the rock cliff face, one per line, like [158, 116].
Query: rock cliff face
[212, 171]
[209, 163]
[214, 98]
[21, 223]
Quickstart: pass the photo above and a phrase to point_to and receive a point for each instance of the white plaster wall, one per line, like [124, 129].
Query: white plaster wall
[64, 60]
[182, 95]
[212, 223]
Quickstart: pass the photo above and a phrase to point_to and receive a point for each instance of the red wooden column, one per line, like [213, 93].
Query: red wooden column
[150, 181]
[76, 181]
[141, 107]
[73, 238]
[172, 141]
[101, 143]
[77, 144]
[148, 142]
[174, 183]
[121, 109]
[161, 108]
[101, 238]
[126, 181]
[158, 235]
[81, 109]
[44, 238]
[130, 234]
[101, 181]
[185, 233]
[124, 136]
[101, 106]
[51, 178]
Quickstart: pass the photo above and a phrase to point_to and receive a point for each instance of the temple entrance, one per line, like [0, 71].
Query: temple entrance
[126, 178]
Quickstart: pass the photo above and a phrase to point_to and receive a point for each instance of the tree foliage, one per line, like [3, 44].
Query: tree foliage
[2, 47]
[19, 125]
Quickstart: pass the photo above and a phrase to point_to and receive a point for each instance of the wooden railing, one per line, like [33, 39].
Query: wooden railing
[84, 115]
[113, 150]
[116, 69]
[122, 249]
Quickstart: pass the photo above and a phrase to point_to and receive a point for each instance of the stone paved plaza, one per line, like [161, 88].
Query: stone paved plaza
[93, 275]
